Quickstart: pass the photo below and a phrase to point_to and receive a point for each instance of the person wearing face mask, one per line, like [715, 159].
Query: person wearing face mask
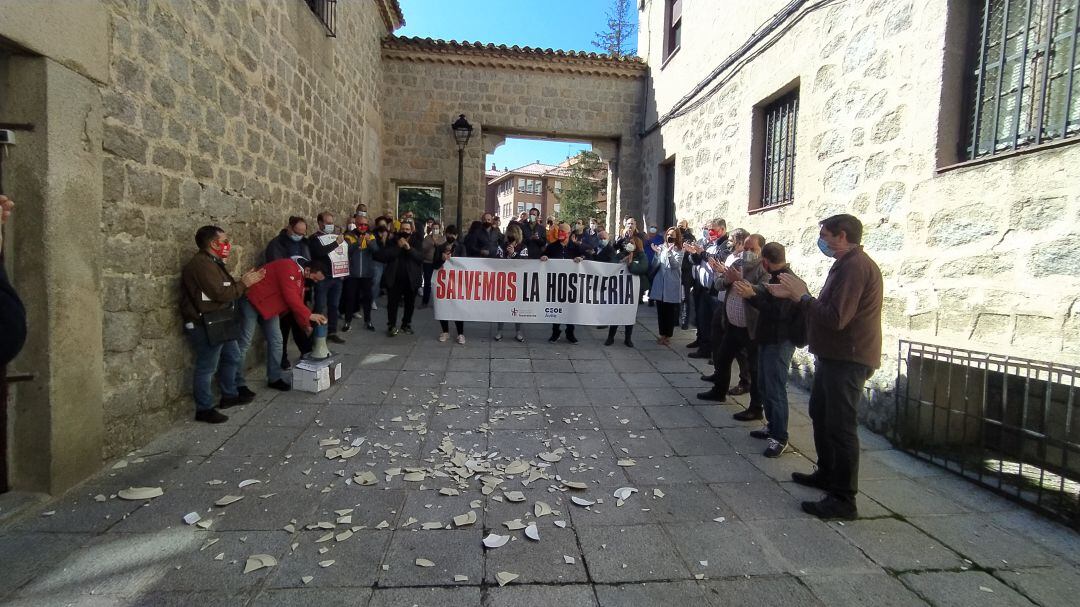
[433, 239]
[356, 295]
[452, 246]
[515, 248]
[563, 248]
[713, 245]
[209, 291]
[382, 234]
[632, 255]
[534, 233]
[328, 291]
[403, 256]
[736, 319]
[843, 325]
[666, 287]
[590, 239]
[480, 241]
[291, 242]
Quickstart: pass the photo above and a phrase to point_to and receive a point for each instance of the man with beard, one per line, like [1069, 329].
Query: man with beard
[404, 257]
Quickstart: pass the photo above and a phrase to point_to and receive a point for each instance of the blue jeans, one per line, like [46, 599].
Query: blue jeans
[774, 365]
[271, 329]
[376, 279]
[328, 301]
[222, 359]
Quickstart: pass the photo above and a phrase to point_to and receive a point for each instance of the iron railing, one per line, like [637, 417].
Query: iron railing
[1006, 423]
[326, 11]
[1023, 79]
[781, 117]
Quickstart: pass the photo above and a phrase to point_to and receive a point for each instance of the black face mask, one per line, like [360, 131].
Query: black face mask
[671, 239]
[404, 235]
[486, 224]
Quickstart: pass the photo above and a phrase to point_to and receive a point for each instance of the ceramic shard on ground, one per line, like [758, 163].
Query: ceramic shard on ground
[325, 538]
[259, 561]
[432, 525]
[625, 463]
[329, 442]
[208, 543]
[100, 498]
[192, 517]
[494, 540]
[140, 493]
[575, 485]
[325, 564]
[624, 493]
[228, 499]
[248, 482]
[560, 524]
[541, 509]
[424, 563]
[414, 477]
[505, 577]
[581, 501]
[532, 532]
[344, 535]
[204, 524]
[461, 520]
[306, 579]
[514, 496]
[658, 493]
[514, 525]
[365, 478]
[449, 491]
[382, 525]
[461, 578]
[569, 560]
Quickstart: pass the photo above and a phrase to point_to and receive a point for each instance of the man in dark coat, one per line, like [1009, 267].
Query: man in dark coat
[404, 258]
[563, 248]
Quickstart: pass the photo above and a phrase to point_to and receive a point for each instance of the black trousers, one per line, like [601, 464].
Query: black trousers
[429, 270]
[401, 293]
[717, 330]
[458, 324]
[555, 330]
[704, 305]
[356, 296]
[300, 338]
[834, 400]
[667, 314]
[737, 340]
[613, 329]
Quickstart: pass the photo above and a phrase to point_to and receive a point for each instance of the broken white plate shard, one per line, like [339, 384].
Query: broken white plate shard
[624, 493]
[220, 557]
[259, 561]
[575, 485]
[532, 532]
[306, 579]
[514, 496]
[658, 493]
[228, 499]
[351, 451]
[550, 458]
[365, 478]
[344, 512]
[191, 518]
[329, 442]
[414, 477]
[625, 463]
[248, 482]
[120, 464]
[410, 521]
[344, 535]
[204, 524]
[720, 519]
[516, 467]
[569, 560]
[291, 528]
[560, 524]
[431, 525]
[475, 504]
[461, 578]
[514, 525]
[469, 518]
[449, 491]
[100, 498]
[382, 525]
[325, 564]
[208, 543]
[424, 563]
[581, 501]
[140, 493]
[325, 538]
[699, 576]
[345, 520]
[493, 540]
[505, 577]
[703, 563]
[541, 509]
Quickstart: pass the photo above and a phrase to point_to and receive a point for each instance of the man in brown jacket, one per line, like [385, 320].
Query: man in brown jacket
[208, 287]
[844, 333]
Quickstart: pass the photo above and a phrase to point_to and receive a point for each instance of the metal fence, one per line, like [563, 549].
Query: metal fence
[1006, 423]
[326, 11]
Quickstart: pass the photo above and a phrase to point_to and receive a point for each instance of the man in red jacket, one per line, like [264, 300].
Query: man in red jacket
[280, 292]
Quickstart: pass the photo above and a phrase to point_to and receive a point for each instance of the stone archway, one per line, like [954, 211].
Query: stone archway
[504, 92]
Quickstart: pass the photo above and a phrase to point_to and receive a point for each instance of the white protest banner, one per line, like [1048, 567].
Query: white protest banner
[534, 291]
[339, 257]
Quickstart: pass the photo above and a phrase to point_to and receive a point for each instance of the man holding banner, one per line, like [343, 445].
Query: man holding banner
[563, 249]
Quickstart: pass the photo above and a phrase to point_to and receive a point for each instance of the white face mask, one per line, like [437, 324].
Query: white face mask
[352, 226]
[328, 228]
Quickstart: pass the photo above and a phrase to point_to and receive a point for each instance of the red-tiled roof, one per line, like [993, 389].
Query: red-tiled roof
[454, 45]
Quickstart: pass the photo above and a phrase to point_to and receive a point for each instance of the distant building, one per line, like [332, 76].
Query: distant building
[536, 186]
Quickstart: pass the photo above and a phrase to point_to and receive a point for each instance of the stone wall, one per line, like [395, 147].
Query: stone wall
[232, 113]
[977, 257]
[504, 92]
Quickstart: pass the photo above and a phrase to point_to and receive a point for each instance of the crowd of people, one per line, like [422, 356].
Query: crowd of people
[746, 305]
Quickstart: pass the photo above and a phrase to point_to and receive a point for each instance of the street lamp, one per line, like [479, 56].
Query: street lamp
[462, 132]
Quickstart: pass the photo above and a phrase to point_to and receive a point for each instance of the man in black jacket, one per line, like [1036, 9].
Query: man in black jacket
[404, 259]
[779, 329]
[535, 235]
[327, 291]
[563, 249]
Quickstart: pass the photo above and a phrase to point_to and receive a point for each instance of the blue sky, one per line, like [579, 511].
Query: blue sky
[569, 25]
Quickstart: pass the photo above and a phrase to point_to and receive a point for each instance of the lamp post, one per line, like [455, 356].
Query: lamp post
[462, 132]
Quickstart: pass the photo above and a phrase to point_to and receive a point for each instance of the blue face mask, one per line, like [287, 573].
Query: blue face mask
[296, 237]
[824, 246]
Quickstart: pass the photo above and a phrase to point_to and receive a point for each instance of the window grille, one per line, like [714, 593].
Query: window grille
[1023, 75]
[326, 11]
[778, 170]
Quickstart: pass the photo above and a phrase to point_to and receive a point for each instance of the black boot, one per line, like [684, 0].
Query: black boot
[211, 416]
[570, 335]
[611, 335]
[555, 333]
[628, 332]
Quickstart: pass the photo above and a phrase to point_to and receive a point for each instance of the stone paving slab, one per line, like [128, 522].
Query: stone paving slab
[917, 522]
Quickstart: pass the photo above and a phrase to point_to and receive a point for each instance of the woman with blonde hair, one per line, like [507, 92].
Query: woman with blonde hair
[666, 287]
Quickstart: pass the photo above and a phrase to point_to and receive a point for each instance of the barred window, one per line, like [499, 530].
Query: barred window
[1024, 75]
[778, 159]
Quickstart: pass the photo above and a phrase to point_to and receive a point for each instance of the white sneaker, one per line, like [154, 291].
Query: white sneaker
[461, 339]
[444, 336]
[498, 337]
[520, 336]
[374, 306]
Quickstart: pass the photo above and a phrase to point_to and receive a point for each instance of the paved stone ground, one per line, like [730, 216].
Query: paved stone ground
[926, 537]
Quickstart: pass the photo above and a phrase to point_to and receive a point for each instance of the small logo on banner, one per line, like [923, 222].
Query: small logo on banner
[552, 312]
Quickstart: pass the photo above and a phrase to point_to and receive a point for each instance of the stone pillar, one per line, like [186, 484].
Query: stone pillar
[55, 175]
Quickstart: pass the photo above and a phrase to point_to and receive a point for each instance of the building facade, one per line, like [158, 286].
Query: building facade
[776, 114]
[141, 121]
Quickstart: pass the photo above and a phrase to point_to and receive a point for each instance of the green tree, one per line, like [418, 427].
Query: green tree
[425, 203]
[580, 188]
[618, 40]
